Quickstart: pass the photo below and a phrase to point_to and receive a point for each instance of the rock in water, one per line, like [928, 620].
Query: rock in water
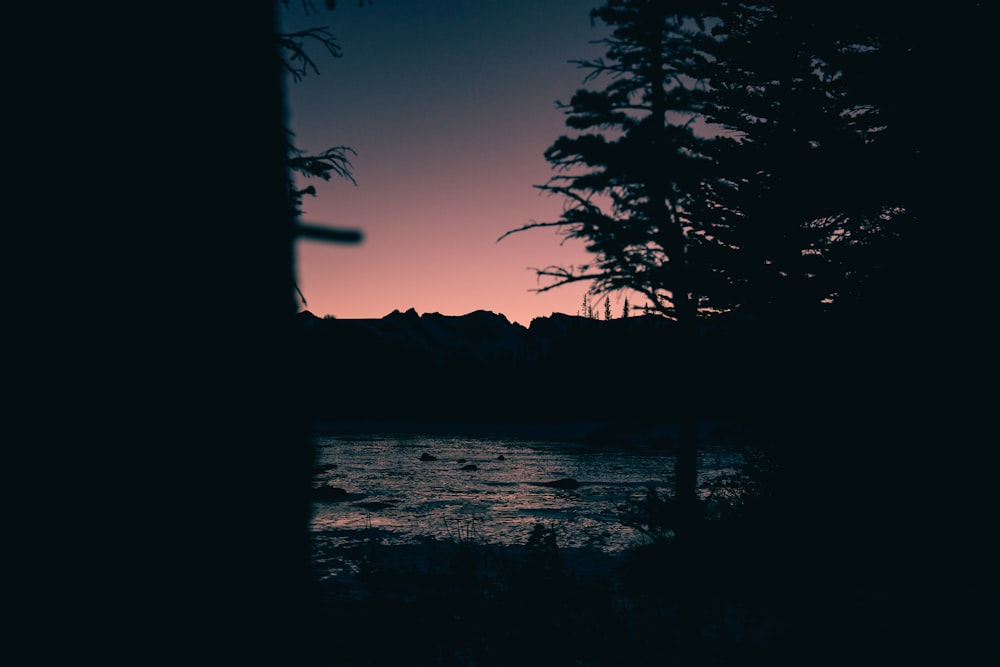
[564, 483]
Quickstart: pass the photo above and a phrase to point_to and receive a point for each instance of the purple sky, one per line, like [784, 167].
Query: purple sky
[450, 105]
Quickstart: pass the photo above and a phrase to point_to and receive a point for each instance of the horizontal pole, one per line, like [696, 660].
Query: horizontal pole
[318, 233]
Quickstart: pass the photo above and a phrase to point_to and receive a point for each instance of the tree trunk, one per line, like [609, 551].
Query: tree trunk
[688, 505]
[686, 466]
[170, 366]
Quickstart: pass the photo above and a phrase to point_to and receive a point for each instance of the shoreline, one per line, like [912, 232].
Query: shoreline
[548, 430]
[598, 432]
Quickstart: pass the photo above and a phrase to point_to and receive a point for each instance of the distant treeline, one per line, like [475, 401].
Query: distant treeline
[482, 368]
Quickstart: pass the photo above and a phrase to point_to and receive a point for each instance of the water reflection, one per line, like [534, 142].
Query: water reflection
[489, 488]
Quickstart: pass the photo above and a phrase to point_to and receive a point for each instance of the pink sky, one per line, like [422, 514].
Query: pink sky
[450, 106]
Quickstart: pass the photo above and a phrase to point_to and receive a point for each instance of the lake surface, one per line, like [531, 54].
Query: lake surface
[490, 489]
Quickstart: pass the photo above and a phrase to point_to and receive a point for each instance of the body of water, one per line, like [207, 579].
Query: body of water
[408, 489]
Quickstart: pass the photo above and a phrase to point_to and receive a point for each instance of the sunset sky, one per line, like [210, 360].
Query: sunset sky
[449, 105]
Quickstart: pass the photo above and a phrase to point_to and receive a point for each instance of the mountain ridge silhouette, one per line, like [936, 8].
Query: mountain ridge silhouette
[482, 367]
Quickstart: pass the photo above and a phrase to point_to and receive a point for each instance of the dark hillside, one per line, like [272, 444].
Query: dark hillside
[480, 367]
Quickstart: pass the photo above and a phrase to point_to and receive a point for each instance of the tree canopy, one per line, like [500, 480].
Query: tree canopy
[632, 174]
[727, 161]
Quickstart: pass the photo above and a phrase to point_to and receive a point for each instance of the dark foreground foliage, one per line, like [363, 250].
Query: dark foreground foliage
[767, 593]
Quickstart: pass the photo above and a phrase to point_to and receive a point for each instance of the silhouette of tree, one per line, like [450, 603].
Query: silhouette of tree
[633, 183]
[635, 175]
[607, 308]
[728, 162]
[625, 309]
[800, 225]
[297, 61]
[904, 184]
[724, 165]
[587, 308]
[195, 396]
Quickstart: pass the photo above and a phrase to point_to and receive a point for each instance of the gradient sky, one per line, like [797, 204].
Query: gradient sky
[449, 105]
